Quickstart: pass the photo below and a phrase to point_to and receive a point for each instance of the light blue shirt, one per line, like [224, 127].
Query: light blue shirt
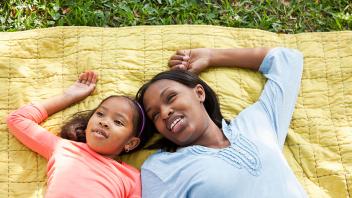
[253, 165]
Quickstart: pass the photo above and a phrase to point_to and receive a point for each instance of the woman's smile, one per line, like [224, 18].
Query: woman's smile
[176, 123]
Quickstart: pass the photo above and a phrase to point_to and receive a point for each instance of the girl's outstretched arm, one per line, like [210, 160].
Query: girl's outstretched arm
[197, 60]
[82, 88]
[24, 122]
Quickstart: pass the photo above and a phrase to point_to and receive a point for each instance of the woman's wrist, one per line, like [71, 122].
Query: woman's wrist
[218, 57]
[211, 60]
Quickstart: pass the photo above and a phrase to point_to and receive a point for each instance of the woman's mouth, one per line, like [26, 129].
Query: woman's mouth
[175, 124]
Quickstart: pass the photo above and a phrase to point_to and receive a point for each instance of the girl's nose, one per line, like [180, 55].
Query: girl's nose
[103, 124]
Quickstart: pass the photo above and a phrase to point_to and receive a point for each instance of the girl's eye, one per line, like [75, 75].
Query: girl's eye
[118, 122]
[99, 114]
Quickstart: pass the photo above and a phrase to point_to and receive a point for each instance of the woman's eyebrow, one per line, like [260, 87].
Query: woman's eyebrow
[164, 91]
[147, 109]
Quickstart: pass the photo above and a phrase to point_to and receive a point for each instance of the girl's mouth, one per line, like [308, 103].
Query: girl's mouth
[100, 132]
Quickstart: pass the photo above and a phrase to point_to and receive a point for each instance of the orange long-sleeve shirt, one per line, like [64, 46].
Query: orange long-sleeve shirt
[73, 169]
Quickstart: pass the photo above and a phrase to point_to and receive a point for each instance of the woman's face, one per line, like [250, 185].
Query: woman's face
[176, 110]
[110, 128]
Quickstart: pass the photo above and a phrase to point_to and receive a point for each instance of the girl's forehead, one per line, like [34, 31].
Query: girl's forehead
[118, 105]
[115, 101]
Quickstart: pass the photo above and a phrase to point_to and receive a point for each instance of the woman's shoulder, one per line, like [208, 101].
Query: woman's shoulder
[163, 158]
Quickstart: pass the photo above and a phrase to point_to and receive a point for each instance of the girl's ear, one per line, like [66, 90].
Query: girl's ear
[132, 143]
[200, 92]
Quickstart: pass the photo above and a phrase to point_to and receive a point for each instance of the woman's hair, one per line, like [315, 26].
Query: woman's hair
[188, 79]
[75, 128]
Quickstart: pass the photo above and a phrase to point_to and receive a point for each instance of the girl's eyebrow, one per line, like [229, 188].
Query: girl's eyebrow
[124, 117]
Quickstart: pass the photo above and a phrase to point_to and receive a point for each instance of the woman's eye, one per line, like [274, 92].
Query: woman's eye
[170, 97]
[154, 116]
[118, 122]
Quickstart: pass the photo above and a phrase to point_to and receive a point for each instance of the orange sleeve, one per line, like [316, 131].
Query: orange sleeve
[24, 125]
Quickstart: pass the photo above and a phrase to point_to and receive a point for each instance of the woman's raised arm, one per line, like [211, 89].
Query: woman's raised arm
[197, 60]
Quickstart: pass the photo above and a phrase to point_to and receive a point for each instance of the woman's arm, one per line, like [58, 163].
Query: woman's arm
[281, 66]
[24, 122]
[197, 60]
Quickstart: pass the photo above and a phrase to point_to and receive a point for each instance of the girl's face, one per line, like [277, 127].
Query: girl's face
[110, 129]
[177, 111]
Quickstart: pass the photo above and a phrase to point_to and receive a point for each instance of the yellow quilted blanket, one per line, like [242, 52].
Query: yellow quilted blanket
[40, 63]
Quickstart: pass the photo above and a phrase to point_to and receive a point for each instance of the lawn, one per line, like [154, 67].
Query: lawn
[276, 16]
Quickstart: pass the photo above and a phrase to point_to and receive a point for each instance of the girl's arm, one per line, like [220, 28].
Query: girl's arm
[24, 122]
[82, 88]
[196, 60]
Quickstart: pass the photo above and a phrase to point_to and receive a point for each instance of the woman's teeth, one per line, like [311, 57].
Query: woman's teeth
[174, 123]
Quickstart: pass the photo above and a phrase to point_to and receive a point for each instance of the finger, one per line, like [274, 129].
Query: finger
[182, 52]
[184, 64]
[186, 58]
[89, 77]
[80, 77]
[182, 67]
[83, 77]
[176, 57]
[95, 78]
[174, 62]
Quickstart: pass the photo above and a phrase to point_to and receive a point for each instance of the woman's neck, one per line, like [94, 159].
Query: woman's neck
[213, 137]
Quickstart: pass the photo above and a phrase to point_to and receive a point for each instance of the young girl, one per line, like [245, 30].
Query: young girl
[206, 156]
[77, 169]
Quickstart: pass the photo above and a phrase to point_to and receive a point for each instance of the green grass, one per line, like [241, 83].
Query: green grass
[271, 15]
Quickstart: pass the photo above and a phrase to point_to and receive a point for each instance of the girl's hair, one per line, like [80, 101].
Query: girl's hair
[75, 128]
[188, 79]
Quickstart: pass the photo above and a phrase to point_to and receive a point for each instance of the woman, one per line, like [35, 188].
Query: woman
[204, 155]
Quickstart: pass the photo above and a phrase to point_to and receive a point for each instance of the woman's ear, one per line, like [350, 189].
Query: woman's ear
[200, 92]
[132, 143]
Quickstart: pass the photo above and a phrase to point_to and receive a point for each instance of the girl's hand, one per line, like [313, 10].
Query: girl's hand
[193, 60]
[83, 87]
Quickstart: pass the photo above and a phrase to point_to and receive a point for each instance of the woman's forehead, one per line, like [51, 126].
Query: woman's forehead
[160, 85]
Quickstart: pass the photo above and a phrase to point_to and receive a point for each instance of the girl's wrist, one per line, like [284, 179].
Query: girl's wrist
[71, 98]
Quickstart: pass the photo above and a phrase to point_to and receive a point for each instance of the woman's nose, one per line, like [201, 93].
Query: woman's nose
[166, 112]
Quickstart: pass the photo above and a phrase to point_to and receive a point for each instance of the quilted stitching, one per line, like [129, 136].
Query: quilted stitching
[39, 63]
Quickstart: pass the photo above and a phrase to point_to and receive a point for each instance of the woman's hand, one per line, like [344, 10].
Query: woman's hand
[193, 60]
[83, 87]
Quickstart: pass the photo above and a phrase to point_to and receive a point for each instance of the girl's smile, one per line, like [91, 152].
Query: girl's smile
[111, 126]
